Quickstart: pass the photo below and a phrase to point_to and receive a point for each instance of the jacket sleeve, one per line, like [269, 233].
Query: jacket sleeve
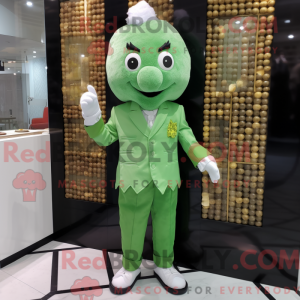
[188, 141]
[104, 134]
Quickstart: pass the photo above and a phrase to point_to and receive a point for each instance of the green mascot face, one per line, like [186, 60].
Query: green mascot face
[149, 64]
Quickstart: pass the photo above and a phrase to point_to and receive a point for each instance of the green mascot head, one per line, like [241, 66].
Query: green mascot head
[148, 62]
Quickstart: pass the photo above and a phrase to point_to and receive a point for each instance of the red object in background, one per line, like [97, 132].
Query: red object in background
[40, 123]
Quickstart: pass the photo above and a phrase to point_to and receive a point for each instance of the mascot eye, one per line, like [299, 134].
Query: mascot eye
[166, 61]
[132, 61]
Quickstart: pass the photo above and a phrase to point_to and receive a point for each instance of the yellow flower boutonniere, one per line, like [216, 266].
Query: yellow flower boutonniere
[172, 129]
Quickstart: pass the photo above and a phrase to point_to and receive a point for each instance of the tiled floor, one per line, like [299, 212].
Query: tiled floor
[53, 270]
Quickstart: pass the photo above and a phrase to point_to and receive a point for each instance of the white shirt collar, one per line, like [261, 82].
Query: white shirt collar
[150, 112]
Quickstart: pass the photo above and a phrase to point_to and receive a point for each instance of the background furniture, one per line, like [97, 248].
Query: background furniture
[25, 216]
[40, 123]
[8, 121]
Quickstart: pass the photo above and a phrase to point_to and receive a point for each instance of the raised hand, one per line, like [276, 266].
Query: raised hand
[90, 107]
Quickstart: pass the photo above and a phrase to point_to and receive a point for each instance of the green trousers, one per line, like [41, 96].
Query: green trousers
[134, 213]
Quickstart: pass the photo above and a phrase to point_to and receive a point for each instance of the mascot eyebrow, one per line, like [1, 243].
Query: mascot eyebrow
[165, 46]
[132, 47]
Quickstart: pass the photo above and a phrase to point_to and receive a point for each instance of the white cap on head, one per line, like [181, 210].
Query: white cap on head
[140, 13]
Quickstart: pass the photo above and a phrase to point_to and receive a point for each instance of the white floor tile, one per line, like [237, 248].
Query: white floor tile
[55, 245]
[12, 289]
[221, 287]
[77, 264]
[147, 266]
[70, 296]
[281, 294]
[34, 270]
[201, 286]
[210, 284]
[184, 269]
[30, 278]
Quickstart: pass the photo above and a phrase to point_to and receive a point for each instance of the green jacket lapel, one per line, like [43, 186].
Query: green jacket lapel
[138, 119]
[160, 118]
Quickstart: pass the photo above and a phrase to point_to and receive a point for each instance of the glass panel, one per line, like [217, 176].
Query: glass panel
[83, 63]
[238, 53]
[23, 78]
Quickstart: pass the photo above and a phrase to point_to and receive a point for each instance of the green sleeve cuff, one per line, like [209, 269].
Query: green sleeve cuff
[96, 129]
[197, 153]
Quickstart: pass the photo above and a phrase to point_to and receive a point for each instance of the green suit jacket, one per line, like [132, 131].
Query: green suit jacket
[148, 154]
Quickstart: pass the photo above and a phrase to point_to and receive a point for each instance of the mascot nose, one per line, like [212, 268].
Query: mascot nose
[150, 79]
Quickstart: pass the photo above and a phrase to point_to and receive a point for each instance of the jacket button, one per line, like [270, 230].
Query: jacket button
[153, 166]
[153, 153]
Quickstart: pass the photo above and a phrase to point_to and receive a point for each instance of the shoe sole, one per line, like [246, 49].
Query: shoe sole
[169, 289]
[121, 291]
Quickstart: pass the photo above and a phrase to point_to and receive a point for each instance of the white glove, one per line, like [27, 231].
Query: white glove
[209, 164]
[90, 107]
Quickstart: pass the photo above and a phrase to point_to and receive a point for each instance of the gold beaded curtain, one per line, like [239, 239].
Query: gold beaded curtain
[164, 9]
[83, 63]
[238, 53]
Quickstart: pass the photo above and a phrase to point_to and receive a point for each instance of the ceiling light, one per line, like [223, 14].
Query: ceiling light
[34, 57]
[8, 68]
[287, 21]
[15, 74]
[29, 3]
[18, 71]
[291, 36]
[82, 55]
[34, 51]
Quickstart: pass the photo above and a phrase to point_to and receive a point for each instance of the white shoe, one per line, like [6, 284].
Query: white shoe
[124, 280]
[172, 281]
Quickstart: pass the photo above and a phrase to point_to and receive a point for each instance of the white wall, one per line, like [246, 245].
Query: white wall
[12, 24]
[37, 75]
[7, 18]
[38, 78]
[24, 223]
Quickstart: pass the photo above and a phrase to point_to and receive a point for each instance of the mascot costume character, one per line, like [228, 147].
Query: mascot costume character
[149, 68]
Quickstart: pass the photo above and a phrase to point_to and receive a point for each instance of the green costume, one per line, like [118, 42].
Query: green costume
[148, 171]
[134, 213]
[147, 154]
